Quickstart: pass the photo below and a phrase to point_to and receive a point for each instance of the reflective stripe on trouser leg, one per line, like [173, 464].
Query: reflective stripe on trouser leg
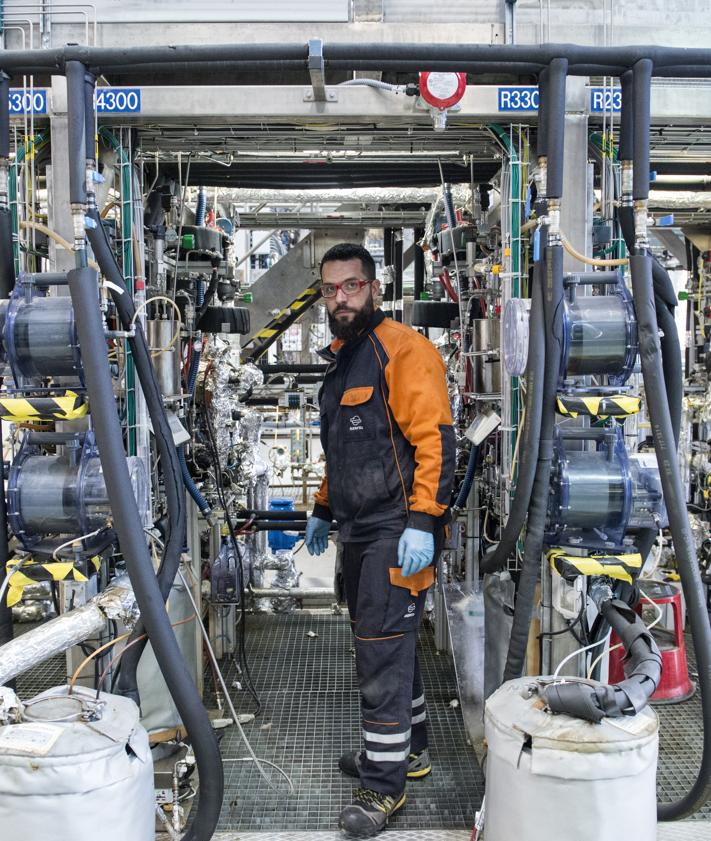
[418, 740]
[385, 669]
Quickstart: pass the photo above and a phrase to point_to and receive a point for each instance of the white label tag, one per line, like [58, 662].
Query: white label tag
[36, 739]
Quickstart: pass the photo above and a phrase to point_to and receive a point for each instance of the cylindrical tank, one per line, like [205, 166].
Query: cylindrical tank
[486, 366]
[600, 337]
[166, 358]
[557, 777]
[60, 494]
[68, 779]
[40, 338]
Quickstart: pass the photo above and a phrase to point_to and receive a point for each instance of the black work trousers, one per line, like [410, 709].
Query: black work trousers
[385, 611]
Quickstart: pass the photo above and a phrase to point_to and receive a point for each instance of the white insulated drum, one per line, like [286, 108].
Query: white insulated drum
[554, 777]
[72, 770]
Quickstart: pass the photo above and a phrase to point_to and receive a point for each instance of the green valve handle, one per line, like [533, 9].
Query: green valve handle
[187, 243]
[683, 295]
[247, 297]
[424, 295]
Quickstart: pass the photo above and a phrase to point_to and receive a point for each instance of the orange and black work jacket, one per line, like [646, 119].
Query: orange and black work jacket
[386, 430]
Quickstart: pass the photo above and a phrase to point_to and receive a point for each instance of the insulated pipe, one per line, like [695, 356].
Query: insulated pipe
[642, 76]
[117, 601]
[76, 136]
[642, 666]
[472, 463]
[535, 528]
[553, 322]
[674, 498]
[531, 432]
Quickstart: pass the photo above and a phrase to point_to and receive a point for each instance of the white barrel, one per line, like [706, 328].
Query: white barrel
[72, 780]
[554, 777]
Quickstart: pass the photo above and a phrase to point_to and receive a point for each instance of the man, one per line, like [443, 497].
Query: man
[386, 430]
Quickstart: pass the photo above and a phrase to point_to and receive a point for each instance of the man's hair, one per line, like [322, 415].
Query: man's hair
[348, 251]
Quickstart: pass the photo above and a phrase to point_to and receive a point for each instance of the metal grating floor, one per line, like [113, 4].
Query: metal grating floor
[310, 716]
[680, 743]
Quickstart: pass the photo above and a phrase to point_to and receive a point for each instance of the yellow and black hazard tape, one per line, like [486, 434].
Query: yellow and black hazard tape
[68, 406]
[620, 567]
[32, 572]
[599, 406]
[281, 322]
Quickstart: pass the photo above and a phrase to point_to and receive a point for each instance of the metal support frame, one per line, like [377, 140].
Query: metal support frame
[317, 72]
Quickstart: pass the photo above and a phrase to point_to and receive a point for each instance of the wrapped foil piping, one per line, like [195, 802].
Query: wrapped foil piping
[116, 602]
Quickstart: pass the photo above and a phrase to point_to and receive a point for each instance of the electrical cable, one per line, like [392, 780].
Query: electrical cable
[235, 718]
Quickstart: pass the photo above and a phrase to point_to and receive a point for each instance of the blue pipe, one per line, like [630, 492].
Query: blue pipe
[190, 485]
[468, 477]
[201, 207]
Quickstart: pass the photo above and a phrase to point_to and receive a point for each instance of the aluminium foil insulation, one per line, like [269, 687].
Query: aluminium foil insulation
[116, 602]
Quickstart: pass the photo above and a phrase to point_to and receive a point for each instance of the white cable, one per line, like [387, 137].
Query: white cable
[575, 654]
[374, 83]
[619, 644]
[75, 540]
[8, 576]
[252, 756]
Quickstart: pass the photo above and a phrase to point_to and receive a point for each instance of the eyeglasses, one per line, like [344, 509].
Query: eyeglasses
[350, 287]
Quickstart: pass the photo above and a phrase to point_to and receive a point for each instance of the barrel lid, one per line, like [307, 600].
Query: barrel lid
[57, 724]
[518, 708]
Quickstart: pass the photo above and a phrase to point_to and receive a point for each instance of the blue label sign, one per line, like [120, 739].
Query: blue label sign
[27, 101]
[118, 100]
[605, 99]
[519, 98]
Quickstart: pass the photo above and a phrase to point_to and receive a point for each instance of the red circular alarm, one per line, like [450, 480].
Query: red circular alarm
[442, 90]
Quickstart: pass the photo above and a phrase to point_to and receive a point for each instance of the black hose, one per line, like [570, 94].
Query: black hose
[128, 526]
[642, 77]
[418, 265]
[530, 434]
[555, 84]
[535, 528]
[169, 461]
[642, 666]
[674, 497]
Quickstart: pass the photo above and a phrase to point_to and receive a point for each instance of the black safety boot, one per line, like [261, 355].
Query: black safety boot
[369, 812]
[418, 764]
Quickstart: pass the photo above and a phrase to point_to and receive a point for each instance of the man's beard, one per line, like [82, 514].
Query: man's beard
[349, 330]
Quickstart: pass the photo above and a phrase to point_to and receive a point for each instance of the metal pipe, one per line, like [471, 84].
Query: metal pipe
[296, 593]
[117, 601]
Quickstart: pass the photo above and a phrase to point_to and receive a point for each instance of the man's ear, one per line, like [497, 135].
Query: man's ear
[376, 287]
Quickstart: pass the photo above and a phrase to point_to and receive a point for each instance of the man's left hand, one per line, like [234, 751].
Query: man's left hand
[415, 551]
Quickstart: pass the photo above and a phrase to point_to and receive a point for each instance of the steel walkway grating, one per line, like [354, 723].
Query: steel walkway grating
[680, 743]
[310, 716]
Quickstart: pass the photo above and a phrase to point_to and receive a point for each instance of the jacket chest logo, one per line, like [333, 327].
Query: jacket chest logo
[356, 424]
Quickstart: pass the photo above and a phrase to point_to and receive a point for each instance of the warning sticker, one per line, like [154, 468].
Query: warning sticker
[35, 739]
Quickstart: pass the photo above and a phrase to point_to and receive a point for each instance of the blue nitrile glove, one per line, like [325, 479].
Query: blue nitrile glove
[414, 551]
[316, 538]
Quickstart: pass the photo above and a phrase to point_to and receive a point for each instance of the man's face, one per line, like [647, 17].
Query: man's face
[348, 314]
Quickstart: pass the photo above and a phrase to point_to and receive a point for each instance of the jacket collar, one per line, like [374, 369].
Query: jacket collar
[330, 351]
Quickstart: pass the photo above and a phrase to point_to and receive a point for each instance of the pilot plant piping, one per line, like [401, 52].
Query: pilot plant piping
[127, 521]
